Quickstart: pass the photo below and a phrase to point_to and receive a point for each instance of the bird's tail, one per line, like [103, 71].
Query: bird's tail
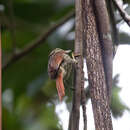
[60, 86]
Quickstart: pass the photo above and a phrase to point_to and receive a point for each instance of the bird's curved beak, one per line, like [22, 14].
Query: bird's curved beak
[68, 51]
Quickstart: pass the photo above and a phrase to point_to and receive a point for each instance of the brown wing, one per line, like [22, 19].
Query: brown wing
[54, 63]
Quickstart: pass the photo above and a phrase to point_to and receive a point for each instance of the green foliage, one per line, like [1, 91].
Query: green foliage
[49, 118]
[10, 120]
[34, 95]
[117, 106]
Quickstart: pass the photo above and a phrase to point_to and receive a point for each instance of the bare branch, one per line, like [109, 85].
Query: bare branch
[114, 31]
[38, 41]
[123, 13]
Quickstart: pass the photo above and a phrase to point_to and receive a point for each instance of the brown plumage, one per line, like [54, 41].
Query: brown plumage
[58, 60]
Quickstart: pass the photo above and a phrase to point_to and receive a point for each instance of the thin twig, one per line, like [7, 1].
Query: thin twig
[123, 13]
[83, 103]
[38, 41]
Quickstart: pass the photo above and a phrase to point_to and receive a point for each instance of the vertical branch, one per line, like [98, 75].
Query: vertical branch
[113, 22]
[79, 74]
[96, 74]
[104, 32]
[83, 102]
[114, 30]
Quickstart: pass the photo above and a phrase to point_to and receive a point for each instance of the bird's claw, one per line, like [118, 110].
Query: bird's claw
[75, 55]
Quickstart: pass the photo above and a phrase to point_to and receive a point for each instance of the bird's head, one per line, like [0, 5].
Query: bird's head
[57, 50]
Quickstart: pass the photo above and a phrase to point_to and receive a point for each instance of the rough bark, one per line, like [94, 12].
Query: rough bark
[96, 74]
[104, 31]
[79, 74]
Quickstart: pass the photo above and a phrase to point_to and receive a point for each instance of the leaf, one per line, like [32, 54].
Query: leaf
[10, 121]
[117, 106]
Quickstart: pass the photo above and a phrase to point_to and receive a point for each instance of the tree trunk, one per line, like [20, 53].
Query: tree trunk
[96, 74]
[93, 40]
[105, 39]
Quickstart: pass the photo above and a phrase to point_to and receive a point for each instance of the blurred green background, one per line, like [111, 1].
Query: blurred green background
[29, 97]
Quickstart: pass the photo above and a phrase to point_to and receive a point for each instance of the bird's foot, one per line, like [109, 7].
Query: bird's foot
[75, 55]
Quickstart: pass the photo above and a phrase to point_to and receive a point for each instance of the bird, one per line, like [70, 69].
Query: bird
[60, 66]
